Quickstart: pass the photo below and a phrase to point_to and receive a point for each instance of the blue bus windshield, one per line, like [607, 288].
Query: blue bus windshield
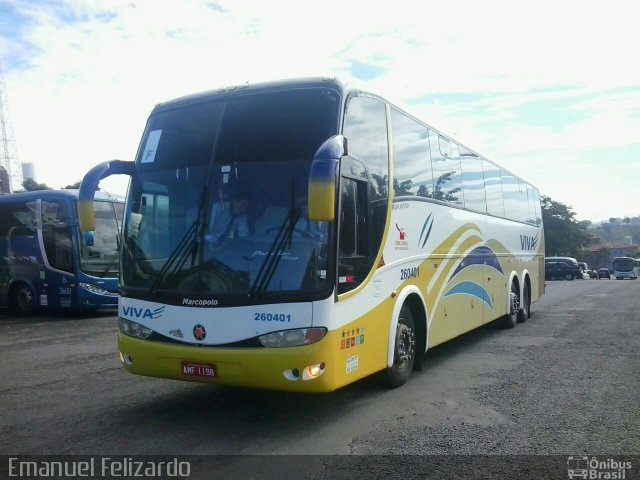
[101, 259]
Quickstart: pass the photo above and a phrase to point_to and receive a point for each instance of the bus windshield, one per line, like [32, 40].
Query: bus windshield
[623, 264]
[218, 203]
[101, 259]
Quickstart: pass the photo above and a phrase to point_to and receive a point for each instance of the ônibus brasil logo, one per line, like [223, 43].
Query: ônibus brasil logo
[138, 313]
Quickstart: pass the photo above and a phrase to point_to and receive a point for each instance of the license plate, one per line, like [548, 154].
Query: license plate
[206, 370]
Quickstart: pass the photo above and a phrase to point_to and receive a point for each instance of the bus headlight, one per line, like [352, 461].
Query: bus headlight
[133, 329]
[293, 338]
[93, 289]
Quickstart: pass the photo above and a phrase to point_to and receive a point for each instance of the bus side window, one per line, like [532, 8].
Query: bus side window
[56, 235]
[355, 256]
[364, 189]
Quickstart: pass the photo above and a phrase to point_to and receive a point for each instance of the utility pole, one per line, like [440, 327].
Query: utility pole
[8, 153]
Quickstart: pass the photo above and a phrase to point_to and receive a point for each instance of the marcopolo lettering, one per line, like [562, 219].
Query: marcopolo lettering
[200, 302]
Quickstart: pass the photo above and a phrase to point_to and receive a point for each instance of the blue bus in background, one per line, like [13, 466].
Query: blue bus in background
[44, 262]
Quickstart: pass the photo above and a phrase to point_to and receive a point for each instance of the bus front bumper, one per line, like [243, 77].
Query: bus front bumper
[300, 369]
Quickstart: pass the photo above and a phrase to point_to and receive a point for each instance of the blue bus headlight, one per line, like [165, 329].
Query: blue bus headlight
[133, 329]
[293, 338]
[93, 289]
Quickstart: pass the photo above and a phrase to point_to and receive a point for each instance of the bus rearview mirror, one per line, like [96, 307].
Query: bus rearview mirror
[322, 179]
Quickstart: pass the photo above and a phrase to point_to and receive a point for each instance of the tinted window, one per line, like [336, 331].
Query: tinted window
[17, 214]
[365, 128]
[522, 207]
[493, 187]
[280, 126]
[516, 202]
[18, 221]
[364, 205]
[259, 127]
[411, 161]
[101, 258]
[510, 194]
[56, 234]
[472, 181]
[445, 161]
[356, 255]
[536, 206]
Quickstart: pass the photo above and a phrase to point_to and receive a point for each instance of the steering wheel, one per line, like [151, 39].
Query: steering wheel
[216, 278]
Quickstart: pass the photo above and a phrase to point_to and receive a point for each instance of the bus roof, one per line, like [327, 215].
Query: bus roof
[64, 193]
[327, 82]
[330, 82]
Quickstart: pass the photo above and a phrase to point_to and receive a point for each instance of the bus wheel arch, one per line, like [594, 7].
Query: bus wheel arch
[22, 299]
[407, 336]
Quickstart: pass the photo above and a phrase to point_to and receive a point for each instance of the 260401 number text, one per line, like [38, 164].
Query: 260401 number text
[272, 317]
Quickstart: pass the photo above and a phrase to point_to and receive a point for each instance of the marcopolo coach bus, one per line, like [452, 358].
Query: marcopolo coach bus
[43, 262]
[302, 235]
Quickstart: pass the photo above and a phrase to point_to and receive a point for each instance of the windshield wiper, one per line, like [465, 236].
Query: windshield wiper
[283, 238]
[188, 244]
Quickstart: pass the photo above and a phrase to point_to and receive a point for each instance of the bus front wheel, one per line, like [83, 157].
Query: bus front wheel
[404, 353]
[22, 300]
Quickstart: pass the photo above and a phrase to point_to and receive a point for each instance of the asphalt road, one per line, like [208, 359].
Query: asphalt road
[563, 383]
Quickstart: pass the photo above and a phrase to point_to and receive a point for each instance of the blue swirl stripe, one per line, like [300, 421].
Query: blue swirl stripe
[479, 256]
[473, 289]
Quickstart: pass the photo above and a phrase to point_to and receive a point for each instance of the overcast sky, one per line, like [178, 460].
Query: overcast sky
[549, 89]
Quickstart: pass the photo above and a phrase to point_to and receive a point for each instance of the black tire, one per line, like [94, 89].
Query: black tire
[524, 313]
[404, 354]
[511, 318]
[22, 300]
[569, 276]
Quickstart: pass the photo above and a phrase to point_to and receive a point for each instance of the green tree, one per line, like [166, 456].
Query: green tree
[402, 188]
[30, 185]
[601, 258]
[564, 235]
[73, 186]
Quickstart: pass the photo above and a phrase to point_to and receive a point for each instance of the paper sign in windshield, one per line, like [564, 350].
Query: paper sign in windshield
[149, 154]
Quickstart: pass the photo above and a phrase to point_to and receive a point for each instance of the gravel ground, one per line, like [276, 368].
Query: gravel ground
[572, 389]
[491, 404]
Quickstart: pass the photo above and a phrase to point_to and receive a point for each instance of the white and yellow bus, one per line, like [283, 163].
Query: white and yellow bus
[302, 235]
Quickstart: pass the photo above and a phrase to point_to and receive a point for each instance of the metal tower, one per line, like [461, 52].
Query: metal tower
[8, 152]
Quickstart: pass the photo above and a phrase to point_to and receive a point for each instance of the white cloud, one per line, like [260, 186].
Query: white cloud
[83, 89]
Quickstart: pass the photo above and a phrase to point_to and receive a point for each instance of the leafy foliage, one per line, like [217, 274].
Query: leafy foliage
[618, 230]
[30, 185]
[564, 235]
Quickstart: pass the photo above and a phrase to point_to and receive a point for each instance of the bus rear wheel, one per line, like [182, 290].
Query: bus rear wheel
[524, 313]
[404, 353]
[22, 300]
[511, 318]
